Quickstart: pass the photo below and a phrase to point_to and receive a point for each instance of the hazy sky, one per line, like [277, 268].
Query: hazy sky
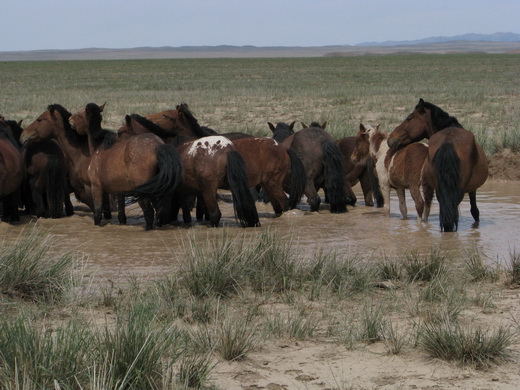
[73, 24]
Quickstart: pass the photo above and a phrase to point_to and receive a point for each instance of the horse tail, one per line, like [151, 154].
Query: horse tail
[298, 179]
[167, 179]
[55, 184]
[335, 185]
[447, 172]
[243, 201]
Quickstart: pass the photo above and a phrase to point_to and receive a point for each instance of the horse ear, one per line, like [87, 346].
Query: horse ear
[377, 127]
[324, 125]
[271, 126]
[303, 125]
[128, 120]
[362, 128]
[291, 126]
[102, 107]
[420, 105]
[20, 122]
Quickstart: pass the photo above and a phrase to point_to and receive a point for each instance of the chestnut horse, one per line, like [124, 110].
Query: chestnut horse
[399, 169]
[11, 173]
[322, 161]
[267, 162]
[142, 166]
[455, 164]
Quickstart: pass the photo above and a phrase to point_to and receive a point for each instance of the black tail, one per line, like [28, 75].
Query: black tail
[167, 179]
[335, 185]
[298, 179]
[243, 201]
[55, 186]
[447, 171]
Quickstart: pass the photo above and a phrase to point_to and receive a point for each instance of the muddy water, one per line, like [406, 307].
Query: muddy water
[113, 250]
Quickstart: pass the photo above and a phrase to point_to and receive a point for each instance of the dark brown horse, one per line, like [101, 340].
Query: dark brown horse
[11, 173]
[456, 163]
[142, 166]
[322, 161]
[267, 162]
[401, 169]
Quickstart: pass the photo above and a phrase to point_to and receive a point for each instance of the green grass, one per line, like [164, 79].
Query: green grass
[481, 90]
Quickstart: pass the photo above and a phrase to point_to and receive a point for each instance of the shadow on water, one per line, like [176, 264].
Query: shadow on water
[113, 249]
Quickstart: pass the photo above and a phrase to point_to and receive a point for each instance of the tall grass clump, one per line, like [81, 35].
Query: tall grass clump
[32, 269]
[514, 267]
[271, 264]
[448, 340]
[213, 268]
[39, 357]
[424, 267]
[135, 348]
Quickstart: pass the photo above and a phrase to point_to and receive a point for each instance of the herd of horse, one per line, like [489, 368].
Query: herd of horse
[170, 164]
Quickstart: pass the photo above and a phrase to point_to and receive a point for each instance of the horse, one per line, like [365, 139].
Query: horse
[11, 173]
[322, 161]
[399, 169]
[54, 124]
[455, 164]
[267, 162]
[47, 179]
[142, 166]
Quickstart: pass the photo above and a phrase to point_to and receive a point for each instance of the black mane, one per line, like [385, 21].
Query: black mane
[282, 131]
[152, 127]
[100, 136]
[440, 118]
[46, 146]
[75, 139]
[200, 131]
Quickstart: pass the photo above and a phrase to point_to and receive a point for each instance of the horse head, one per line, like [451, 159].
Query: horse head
[417, 125]
[315, 124]
[47, 124]
[78, 121]
[282, 130]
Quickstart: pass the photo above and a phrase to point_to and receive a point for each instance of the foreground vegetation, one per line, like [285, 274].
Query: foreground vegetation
[225, 298]
[481, 90]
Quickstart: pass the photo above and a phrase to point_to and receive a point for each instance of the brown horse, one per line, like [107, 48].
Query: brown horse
[11, 173]
[267, 162]
[322, 161]
[142, 166]
[399, 169]
[456, 163]
[54, 124]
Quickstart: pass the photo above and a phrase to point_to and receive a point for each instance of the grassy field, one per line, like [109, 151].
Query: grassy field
[481, 90]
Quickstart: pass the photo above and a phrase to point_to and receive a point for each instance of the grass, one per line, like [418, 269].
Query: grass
[244, 94]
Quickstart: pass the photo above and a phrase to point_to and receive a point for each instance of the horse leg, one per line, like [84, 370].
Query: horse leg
[474, 209]
[312, 196]
[366, 187]
[69, 209]
[277, 196]
[187, 205]
[402, 202]
[107, 212]
[351, 197]
[212, 209]
[415, 191]
[97, 197]
[148, 212]
[121, 214]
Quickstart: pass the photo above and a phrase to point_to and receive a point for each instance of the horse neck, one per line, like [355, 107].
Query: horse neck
[378, 146]
[73, 154]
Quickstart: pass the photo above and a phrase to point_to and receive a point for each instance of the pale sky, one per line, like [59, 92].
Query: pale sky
[73, 24]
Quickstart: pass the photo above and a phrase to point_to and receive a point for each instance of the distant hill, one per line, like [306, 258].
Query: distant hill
[496, 37]
[477, 43]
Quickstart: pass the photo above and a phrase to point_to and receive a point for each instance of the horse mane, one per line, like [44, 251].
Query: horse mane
[315, 124]
[152, 127]
[16, 129]
[75, 139]
[100, 136]
[200, 131]
[440, 118]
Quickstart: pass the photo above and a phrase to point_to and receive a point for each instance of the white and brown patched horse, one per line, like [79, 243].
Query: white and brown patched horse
[401, 169]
